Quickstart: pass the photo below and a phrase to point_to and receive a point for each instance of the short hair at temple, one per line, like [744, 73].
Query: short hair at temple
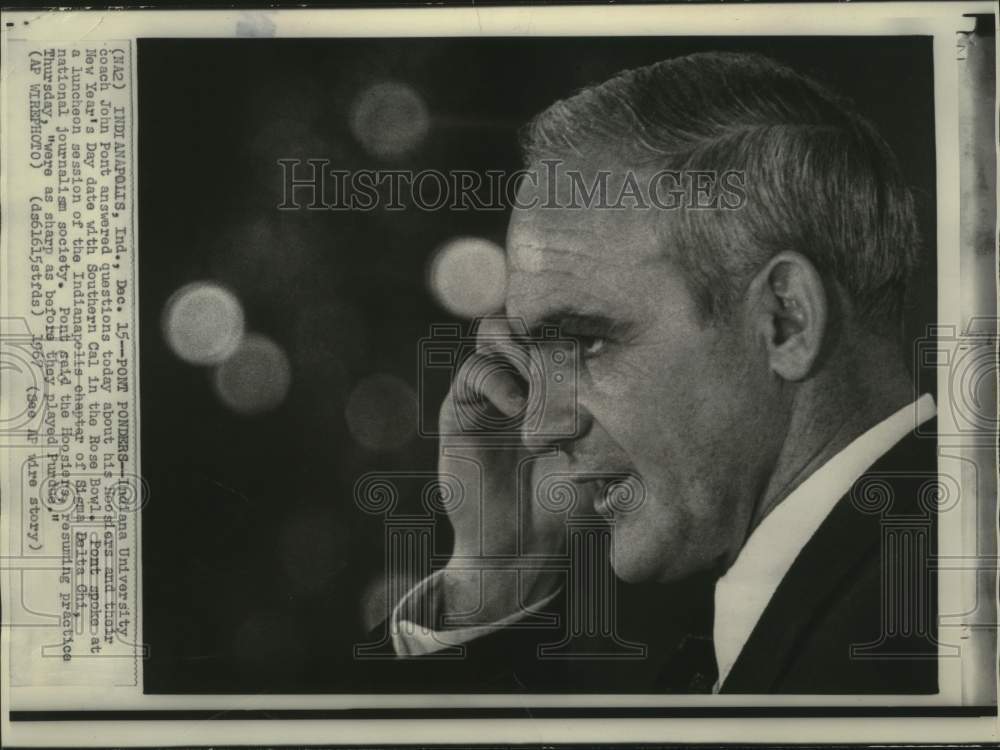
[819, 179]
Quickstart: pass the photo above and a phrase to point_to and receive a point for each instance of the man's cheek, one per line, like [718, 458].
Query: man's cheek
[636, 416]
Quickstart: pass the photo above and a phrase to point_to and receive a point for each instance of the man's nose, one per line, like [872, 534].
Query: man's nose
[553, 415]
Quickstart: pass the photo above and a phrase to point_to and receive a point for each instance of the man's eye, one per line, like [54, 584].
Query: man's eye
[591, 346]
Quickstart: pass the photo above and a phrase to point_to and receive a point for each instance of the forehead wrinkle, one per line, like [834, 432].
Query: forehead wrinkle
[596, 275]
[613, 284]
[575, 271]
[636, 240]
[545, 258]
[531, 256]
[543, 280]
[535, 298]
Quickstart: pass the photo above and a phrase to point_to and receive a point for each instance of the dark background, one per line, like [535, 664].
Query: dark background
[259, 574]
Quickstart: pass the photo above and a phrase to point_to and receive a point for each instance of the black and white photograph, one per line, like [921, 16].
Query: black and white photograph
[372, 345]
[537, 364]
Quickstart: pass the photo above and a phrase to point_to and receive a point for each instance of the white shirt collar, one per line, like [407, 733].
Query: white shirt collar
[745, 590]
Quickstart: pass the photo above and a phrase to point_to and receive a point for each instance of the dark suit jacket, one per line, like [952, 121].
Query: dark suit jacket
[856, 613]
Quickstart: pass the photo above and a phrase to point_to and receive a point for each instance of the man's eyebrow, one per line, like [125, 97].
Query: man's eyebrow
[561, 317]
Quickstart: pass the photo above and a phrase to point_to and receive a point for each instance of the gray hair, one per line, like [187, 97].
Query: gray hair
[819, 179]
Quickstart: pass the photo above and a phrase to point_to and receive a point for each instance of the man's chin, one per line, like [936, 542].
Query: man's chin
[635, 562]
[631, 567]
[631, 573]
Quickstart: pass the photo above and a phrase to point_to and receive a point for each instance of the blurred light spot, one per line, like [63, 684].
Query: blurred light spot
[468, 276]
[381, 412]
[312, 546]
[203, 323]
[255, 378]
[389, 119]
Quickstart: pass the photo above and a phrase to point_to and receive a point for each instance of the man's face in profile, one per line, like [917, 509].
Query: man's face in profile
[677, 402]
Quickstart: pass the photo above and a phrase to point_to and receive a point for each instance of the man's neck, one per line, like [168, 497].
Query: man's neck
[829, 413]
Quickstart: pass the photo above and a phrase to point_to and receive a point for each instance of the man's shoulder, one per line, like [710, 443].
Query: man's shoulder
[854, 646]
[835, 623]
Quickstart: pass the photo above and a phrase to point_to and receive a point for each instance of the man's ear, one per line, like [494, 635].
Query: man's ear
[790, 313]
